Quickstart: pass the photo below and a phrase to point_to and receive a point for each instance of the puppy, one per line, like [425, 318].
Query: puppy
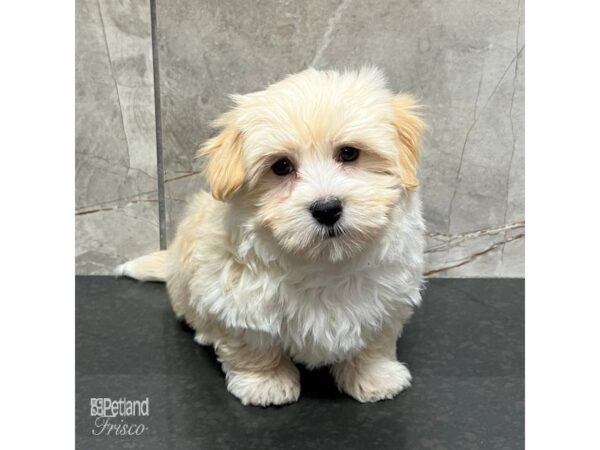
[310, 248]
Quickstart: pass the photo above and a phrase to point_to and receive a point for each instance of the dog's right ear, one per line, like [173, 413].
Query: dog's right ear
[224, 159]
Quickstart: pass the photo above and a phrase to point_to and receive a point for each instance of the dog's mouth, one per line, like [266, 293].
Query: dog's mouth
[333, 232]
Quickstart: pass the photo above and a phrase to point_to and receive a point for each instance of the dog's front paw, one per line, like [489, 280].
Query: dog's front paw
[274, 387]
[372, 381]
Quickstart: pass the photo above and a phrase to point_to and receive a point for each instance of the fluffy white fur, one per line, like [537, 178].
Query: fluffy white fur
[254, 273]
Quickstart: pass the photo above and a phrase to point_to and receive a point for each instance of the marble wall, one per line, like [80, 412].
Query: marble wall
[116, 213]
[464, 59]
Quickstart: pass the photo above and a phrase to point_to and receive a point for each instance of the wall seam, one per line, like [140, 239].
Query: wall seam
[160, 173]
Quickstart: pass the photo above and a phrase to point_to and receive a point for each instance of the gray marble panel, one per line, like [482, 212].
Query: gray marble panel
[116, 212]
[465, 60]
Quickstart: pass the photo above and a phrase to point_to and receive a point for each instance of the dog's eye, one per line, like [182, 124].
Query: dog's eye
[348, 154]
[282, 167]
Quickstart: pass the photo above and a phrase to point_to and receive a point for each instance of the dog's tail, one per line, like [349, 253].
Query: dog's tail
[150, 267]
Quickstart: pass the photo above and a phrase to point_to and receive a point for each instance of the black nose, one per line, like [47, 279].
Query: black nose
[327, 211]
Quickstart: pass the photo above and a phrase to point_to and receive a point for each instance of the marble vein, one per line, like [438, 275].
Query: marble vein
[462, 154]
[477, 116]
[112, 208]
[326, 40]
[472, 257]
[117, 200]
[112, 75]
[452, 240]
[512, 127]
[185, 175]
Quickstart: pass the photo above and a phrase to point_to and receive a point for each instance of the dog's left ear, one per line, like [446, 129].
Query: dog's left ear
[410, 127]
[224, 159]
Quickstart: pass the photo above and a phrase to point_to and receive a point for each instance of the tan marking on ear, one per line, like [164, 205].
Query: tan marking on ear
[224, 160]
[410, 127]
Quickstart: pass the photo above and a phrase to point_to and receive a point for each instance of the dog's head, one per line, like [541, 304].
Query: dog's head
[320, 159]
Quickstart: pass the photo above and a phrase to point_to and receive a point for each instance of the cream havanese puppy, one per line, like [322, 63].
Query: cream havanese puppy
[309, 247]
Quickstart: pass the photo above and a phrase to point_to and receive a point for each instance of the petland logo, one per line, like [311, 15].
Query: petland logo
[113, 416]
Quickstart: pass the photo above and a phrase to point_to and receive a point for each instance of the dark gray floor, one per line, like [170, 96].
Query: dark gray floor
[464, 347]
